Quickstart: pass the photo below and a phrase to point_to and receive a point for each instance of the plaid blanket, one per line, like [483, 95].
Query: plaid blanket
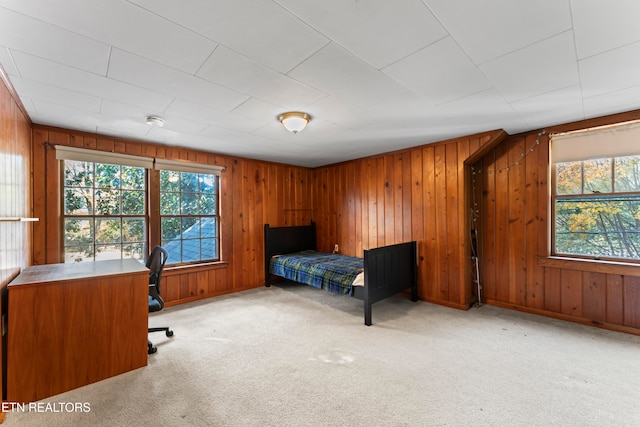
[332, 272]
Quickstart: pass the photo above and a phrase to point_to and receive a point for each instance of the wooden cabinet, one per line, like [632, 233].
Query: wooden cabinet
[70, 325]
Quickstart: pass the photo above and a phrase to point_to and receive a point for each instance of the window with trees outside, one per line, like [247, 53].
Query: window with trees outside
[104, 211]
[108, 207]
[189, 215]
[596, 195]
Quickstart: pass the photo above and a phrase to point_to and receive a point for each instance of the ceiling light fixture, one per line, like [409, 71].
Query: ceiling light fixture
[294, 121]
[155, 121]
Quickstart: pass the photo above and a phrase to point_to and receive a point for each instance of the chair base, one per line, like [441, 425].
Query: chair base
[152, 348]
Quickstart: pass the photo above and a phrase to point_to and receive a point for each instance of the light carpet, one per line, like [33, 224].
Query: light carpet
[292, 355]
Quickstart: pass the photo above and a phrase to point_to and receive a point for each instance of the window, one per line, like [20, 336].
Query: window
[189, 215]
[104, 211]
[596, 201]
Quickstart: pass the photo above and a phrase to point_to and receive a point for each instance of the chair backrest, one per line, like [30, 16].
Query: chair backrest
[155, 264]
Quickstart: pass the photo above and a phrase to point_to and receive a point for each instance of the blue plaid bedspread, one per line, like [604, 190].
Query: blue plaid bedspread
[332, 272]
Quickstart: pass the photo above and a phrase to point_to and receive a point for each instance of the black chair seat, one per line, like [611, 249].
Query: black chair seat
[154, 305]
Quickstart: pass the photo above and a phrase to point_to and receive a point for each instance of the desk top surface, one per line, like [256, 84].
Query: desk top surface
[82, 270]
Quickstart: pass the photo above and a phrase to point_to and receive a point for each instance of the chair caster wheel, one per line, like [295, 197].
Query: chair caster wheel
[151, 349]
[169, 333]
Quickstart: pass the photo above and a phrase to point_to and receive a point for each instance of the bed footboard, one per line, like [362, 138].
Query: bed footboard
[387, 271]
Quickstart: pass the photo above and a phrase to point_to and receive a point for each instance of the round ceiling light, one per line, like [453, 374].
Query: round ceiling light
[294, 121]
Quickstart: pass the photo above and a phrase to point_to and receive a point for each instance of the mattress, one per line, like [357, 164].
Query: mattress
[335, 273]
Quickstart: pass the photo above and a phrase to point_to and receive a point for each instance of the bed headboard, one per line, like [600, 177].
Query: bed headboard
[286, 240]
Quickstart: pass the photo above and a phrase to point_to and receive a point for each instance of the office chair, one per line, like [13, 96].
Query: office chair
[155, 264]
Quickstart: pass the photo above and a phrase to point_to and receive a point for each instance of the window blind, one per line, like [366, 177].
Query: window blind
[64, 152]
[182, 166]
[596, 143]
[84, 155]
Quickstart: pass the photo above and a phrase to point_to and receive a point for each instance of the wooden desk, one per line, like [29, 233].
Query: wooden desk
[70, 325]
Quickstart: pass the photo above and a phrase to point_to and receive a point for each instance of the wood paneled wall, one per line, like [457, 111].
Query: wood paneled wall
[252, 193]
[513, 195]
[15, 183]
[415, 194]
[15, 195]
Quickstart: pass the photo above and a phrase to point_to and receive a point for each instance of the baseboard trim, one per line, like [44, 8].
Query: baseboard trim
[445, 303]
[212, 295]
[566, 317]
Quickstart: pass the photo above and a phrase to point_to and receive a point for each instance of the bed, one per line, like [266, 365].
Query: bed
[383, 271]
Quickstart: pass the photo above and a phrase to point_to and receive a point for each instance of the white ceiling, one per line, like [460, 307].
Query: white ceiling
[375, 75]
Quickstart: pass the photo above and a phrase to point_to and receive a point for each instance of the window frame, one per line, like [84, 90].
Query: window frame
[94, 216]
[152, 215]
[216, 216]
[585, 195]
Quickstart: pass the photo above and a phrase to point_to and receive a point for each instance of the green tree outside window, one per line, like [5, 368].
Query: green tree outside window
[597, 208]
[104, 211]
